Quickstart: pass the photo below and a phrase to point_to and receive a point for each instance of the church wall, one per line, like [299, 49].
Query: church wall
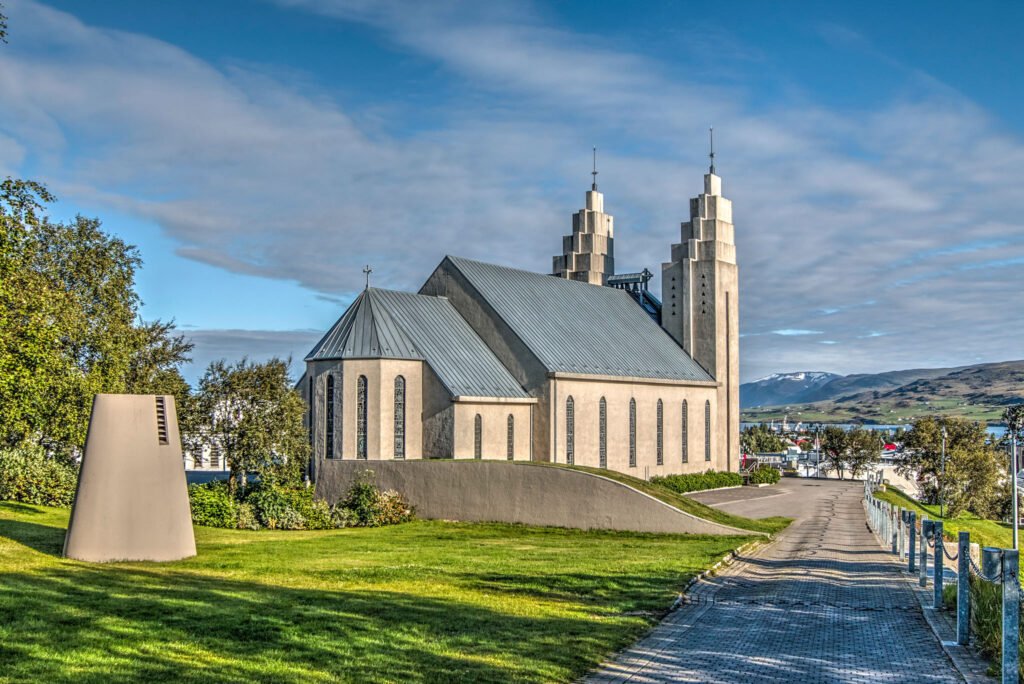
[586, 396]
[438, 417]
[380, 427]
[494, 429]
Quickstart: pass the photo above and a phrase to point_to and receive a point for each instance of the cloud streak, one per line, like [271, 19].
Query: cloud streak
[902, 217]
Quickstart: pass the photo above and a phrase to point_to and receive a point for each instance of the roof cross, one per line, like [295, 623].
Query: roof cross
[367, 271]
[593, 186]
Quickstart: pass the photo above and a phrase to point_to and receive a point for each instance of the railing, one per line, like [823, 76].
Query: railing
[899, 531]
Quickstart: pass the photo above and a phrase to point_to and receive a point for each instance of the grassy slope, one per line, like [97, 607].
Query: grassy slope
[984, 532]
[426, 601]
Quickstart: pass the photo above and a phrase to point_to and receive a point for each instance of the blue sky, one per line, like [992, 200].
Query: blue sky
[259, 154]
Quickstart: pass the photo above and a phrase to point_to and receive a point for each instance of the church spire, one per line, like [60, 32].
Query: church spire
[711, 134]
[588, 254]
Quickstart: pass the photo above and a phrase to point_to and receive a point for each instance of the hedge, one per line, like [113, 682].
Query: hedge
[695, 482]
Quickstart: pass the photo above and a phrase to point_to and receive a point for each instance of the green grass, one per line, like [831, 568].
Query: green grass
[425, 601]
[983, 532]
[685, 503]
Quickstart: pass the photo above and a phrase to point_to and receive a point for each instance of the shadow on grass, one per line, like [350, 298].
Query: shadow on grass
[120, 624]
[43, 538]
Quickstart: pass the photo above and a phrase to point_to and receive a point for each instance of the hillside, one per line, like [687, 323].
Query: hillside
[979, 392]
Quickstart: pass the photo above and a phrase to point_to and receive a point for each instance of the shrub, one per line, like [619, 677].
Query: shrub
[29, 475]
[765, 475]
[695, 482]
[270, 502]
[343, 517]
[247, 519]
[212, 505]
[291, 519]
[372, 508]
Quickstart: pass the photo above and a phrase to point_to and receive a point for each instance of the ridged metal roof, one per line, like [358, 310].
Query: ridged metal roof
[403, 325]
[576, 327]
[365, 331]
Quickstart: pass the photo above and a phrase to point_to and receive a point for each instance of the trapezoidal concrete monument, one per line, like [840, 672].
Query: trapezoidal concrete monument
[132, 499]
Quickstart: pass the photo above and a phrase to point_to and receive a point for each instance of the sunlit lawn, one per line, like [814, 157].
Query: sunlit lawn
[425, 601]
[984, 532]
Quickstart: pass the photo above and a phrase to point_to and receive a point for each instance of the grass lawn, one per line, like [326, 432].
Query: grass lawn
[983, 532]
[424, 601]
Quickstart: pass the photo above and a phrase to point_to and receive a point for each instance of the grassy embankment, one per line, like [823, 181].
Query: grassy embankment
[425, 601]
[983, 532]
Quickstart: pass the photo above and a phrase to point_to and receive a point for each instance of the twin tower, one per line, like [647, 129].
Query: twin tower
[699, 284]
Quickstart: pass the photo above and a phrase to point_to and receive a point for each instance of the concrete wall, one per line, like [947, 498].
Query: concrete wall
[499, 491]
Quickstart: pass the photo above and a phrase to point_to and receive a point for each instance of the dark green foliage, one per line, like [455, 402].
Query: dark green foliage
[852, 451]
[759, 439]
[695, 482]
[765, 476]
[29, 475]
[213, 505]
[371, 507]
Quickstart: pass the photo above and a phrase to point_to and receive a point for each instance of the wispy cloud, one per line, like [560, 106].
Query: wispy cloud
[257, 174]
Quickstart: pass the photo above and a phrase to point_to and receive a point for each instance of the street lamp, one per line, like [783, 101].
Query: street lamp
[1013, 468]
[942, 480]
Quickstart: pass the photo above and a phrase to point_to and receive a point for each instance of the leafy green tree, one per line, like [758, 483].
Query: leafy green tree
[974, 473]
[759, 439]
[3, 27]
[68, 323]
[251, 412]
[833, 450]
[863, 450]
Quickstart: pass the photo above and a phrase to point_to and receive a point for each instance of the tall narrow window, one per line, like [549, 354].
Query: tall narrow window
[661, 434]
[361, 418]
[329, 417]
[686, 430]
[707, 430]
[602, 434]
[400, 417]
[511, 438]
[570, 431]
[632, 433]
[310, 423]
[478, 437]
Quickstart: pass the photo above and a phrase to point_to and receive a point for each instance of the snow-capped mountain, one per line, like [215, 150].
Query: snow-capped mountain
[783, 388]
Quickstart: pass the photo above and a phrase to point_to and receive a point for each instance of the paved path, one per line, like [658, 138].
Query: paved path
[823, 603]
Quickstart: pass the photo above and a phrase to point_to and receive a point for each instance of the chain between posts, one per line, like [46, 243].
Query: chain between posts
[981, 575]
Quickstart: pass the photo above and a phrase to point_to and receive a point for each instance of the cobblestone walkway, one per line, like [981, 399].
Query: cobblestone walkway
[823, 603]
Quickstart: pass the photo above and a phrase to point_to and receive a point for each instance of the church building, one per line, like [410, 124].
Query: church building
[581, 366]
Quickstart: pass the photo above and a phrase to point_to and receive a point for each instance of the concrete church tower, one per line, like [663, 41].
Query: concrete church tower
[700, 295]
[588, 254]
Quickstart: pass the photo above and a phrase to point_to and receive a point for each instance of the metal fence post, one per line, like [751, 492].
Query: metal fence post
[925, 529]
[963, 588]
[991, 562]
[1011, 617]
[913, 539]
[894, 516]
[939, 558]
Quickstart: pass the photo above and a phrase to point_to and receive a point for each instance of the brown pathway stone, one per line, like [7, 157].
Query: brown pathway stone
[823, 603]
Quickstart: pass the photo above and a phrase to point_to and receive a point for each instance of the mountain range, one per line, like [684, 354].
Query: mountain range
[980, 392]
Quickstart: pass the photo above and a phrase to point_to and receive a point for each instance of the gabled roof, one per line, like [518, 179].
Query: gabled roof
[403, 325]
[365, 331]
[575, 327]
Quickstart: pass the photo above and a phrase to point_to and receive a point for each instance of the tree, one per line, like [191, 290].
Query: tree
[922, 456]
[758, 439]
[863, 450]
[251, 412]
[3, 27]
[68, 323]
[833, 448]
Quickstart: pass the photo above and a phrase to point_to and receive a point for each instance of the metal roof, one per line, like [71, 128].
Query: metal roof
[575, 327]
[365, 331]
[413, 326]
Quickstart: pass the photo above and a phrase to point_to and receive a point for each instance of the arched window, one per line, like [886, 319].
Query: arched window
[511, 438]
[632, 433]
[602, 432]
[661, 433]
[400, 417]
[478, 437]
[361, 418]
[329, 417]
[310, 423]
[686, 430]
[707, 430]
[570, 431]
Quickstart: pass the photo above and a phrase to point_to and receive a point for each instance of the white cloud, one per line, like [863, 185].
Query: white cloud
[901, 217]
